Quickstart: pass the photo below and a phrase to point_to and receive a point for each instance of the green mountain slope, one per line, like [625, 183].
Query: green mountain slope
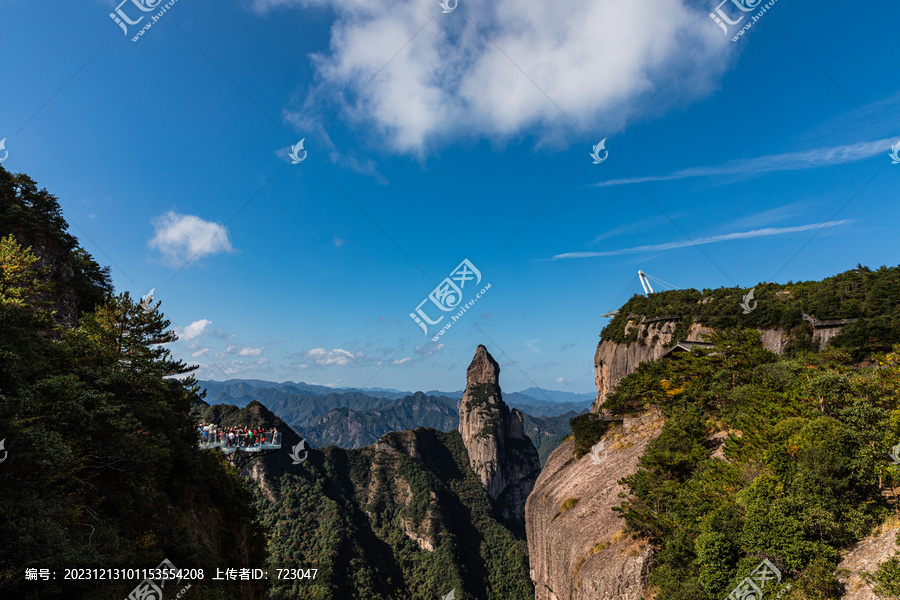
[405, 518]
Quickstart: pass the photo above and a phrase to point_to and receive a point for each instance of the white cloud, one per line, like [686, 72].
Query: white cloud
[532, 345]
[182, 238]
[790, 161]
[510, 67]
[402, 361]
[429, 349]
[196, 328]
[739, 235]
[228, 350]
[250, 352]
[200, 352]
[338, 356]
[561, 380]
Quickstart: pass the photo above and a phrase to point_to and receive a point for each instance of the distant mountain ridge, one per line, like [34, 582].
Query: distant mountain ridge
[536, 395]
[353, 419]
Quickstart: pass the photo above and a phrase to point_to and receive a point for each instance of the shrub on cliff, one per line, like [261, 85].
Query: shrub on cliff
[587, 429]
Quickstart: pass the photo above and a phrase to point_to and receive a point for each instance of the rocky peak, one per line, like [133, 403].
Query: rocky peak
[500, 453]
[483, 370]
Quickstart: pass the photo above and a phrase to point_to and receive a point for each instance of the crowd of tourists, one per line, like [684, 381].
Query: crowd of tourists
[238, 437]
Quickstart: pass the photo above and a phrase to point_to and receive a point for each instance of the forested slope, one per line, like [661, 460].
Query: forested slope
[804, 473]
[102, 469]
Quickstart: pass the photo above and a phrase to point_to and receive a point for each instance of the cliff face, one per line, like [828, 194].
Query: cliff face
[612, 361]
[500, 453]
[576, 544]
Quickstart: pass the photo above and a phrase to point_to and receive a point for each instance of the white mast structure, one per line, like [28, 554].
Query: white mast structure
[645, 284]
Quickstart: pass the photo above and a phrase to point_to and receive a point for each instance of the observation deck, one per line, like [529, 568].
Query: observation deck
[268, 441]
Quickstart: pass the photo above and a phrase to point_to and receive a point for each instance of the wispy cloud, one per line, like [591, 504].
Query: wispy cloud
[767, 217]
[790, 161]
[429, 349]
[635, 226]
[738, 235]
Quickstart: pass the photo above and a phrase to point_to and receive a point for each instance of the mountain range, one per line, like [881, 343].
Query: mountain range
[352, 418]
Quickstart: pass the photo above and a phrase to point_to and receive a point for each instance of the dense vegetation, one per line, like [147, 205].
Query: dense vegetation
[872, 297]
[352, 515]
[806, 469]
[102, 469]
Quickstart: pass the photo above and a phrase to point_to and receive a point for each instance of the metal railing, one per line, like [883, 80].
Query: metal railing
[268, 440]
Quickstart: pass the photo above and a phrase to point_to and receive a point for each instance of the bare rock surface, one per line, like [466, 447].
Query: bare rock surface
[866, 556]
[576, 543]
[500, 453]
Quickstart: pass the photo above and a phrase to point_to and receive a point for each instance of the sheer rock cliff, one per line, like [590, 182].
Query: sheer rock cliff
[576, 543]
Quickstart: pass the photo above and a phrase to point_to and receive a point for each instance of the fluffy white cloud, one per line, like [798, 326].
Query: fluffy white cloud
[402, 361]
[250, 352]
[338, 356]
[196, 328]
[182, 238]
[508, 67]
[200, 352]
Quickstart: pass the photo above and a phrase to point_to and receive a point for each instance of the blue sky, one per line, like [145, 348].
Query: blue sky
[436, 137]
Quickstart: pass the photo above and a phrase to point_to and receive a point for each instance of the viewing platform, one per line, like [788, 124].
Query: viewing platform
[268, 441]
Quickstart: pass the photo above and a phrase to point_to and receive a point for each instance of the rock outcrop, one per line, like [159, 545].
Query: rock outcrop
[500, 453]
[866, 555]
[576, 543]
[613, 361]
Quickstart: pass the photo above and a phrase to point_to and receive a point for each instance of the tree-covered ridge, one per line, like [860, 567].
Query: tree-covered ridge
[873, 297]
[103, 469]
[33, 216]
[353, 515]
[804, 472]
